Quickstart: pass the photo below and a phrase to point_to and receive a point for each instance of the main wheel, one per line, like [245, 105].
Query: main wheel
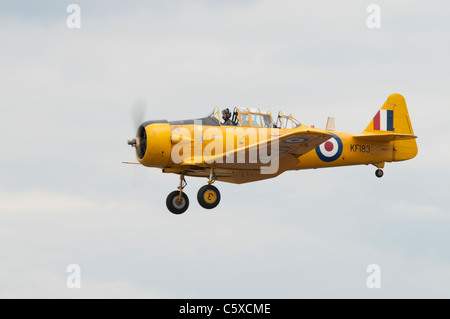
[379, 173]
[173, 205]
[208, 196]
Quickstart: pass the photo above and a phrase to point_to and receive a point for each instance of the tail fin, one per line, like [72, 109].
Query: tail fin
[392, 121]
[393, 117]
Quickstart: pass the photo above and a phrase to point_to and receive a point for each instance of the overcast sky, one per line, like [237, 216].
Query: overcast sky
[65, 101]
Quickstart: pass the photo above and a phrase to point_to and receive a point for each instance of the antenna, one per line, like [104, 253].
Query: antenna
[331, 124]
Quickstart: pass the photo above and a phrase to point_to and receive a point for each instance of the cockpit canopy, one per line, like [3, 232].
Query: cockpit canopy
[246, 116]
[287, 121]
[253, 117]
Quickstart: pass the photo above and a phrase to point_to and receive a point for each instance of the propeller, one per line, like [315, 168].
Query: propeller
[138, 111]
[137, 115]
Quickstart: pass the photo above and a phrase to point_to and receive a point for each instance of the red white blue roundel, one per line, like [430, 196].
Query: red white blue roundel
[330, 150]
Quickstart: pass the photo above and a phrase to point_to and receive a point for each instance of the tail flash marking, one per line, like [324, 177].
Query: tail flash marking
[384, 120]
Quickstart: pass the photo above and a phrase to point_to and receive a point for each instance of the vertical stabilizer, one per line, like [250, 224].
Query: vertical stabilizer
[393, 117]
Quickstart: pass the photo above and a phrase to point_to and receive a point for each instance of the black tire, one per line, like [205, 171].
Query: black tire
[379, 173]
[171, 203]
[208, 196]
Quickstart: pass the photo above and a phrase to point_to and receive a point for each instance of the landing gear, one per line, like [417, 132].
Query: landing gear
[208, 196]
[175, 205]
[178, 202]
[379, 173]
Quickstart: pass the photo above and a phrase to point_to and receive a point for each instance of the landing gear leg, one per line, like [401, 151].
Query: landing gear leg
[178, 202]
[208, 196]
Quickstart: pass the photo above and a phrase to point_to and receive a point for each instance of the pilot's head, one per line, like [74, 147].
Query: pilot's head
[226, 114]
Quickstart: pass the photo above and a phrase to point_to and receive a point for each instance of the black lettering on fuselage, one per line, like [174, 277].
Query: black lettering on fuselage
[360, 148]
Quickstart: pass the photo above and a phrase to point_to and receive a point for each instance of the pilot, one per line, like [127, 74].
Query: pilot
[267, 121]
[226, 116]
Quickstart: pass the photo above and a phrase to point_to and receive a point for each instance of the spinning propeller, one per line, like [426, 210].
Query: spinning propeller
[137, 114]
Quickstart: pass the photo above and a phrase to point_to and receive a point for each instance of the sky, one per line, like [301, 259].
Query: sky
[66, 96]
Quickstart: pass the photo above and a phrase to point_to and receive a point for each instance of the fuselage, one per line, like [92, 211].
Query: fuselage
[172, 147]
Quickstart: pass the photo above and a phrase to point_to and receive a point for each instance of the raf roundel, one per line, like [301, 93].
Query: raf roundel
[330, 150]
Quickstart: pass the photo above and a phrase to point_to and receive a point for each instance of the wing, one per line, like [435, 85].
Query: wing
[292, 144]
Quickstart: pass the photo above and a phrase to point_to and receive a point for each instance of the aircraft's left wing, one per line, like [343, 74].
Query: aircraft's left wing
[292, 144]
[299, 143]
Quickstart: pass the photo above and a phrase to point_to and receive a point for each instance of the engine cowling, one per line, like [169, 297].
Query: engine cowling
[153, 144]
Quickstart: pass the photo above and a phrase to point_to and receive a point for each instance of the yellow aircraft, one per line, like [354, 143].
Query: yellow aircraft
[248, 145]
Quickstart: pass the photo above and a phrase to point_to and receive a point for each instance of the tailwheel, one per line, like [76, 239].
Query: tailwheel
[379, 173]
[177, 205]
[208, 196]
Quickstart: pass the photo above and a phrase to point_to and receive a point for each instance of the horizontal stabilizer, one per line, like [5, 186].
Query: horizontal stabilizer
[385, 138]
